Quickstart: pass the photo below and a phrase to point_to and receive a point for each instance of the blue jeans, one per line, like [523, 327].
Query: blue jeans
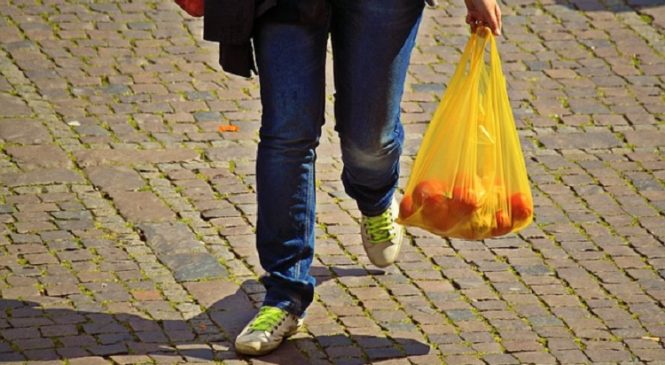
[372, 42]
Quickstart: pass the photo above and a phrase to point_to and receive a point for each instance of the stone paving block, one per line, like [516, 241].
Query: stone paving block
[142, 103]
[115, 178]
[89, 360]
[231, 152]
[131, 157]
[193, 266]
[142, 206]
[131, 359]
[645, 138]
[208, 293]
[177, 248]
[591, 140]
[41, 177]
[13, 106]
[62, 289]
[169, 238]
[39, 156]
[23, 131]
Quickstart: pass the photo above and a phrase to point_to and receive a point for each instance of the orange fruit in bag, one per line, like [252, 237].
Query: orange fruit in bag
[503, 223]
[521, 207]
[467, 194]
[406, 208]
[428, 189]
[436, 213]
[465, 200]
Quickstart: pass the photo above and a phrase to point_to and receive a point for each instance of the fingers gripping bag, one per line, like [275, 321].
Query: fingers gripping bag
[469, 179]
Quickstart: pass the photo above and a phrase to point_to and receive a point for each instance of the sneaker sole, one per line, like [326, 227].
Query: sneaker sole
[254, 352]
[269, 347]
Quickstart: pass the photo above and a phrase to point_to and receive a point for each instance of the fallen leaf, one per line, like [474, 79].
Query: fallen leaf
[228, 128]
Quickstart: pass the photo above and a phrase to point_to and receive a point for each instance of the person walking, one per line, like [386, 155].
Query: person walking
[371, 44]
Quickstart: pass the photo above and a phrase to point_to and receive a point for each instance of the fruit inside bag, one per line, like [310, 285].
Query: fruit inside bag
[469, 179]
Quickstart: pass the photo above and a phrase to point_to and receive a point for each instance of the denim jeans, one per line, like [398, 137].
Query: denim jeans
[371, 42]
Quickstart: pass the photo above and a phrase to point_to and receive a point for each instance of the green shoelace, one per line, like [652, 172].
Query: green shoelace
[380, 228]
[268, 318]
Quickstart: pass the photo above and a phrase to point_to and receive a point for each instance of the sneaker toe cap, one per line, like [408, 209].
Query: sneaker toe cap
[249, 347]
[383, 254]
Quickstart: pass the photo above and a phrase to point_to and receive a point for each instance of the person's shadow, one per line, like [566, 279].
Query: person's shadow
[595, 5]
[30, 332]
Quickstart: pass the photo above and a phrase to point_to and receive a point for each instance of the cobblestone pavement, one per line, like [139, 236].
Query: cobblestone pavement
[126, 218]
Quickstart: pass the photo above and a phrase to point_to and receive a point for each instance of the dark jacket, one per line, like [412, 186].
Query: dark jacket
[231, 24]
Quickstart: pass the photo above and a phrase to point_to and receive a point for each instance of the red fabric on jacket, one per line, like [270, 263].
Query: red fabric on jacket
[192, 7]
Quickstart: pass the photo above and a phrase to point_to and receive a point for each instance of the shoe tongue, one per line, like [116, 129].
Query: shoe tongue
[267, 318]
[379, 227]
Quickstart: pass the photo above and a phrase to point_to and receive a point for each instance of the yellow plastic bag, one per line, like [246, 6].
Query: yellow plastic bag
[469, 179]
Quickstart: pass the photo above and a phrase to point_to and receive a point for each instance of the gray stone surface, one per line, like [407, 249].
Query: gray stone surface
[132, 157]
[176, 246]
[41, 177]
[23, 131]
[591, 140]
[39, 156]
[115, 178]
[128, 217]
[13, 106]
[142, 206]
[646, 138]
[193, 266]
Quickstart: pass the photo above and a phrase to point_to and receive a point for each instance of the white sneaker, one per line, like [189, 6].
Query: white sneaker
[382, 236]
[266, 331]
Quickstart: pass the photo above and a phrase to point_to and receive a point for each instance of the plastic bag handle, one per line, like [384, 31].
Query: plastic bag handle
[488, 38]
[473, 54]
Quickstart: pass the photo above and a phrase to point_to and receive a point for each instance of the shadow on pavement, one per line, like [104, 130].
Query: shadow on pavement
[614, 6]
[59, 334]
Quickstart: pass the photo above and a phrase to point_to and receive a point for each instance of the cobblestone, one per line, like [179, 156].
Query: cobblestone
[127, 219]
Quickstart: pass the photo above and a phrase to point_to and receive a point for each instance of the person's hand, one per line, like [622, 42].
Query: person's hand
[483, 13]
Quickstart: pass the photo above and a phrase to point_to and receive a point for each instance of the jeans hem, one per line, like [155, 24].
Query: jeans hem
[287, 306]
